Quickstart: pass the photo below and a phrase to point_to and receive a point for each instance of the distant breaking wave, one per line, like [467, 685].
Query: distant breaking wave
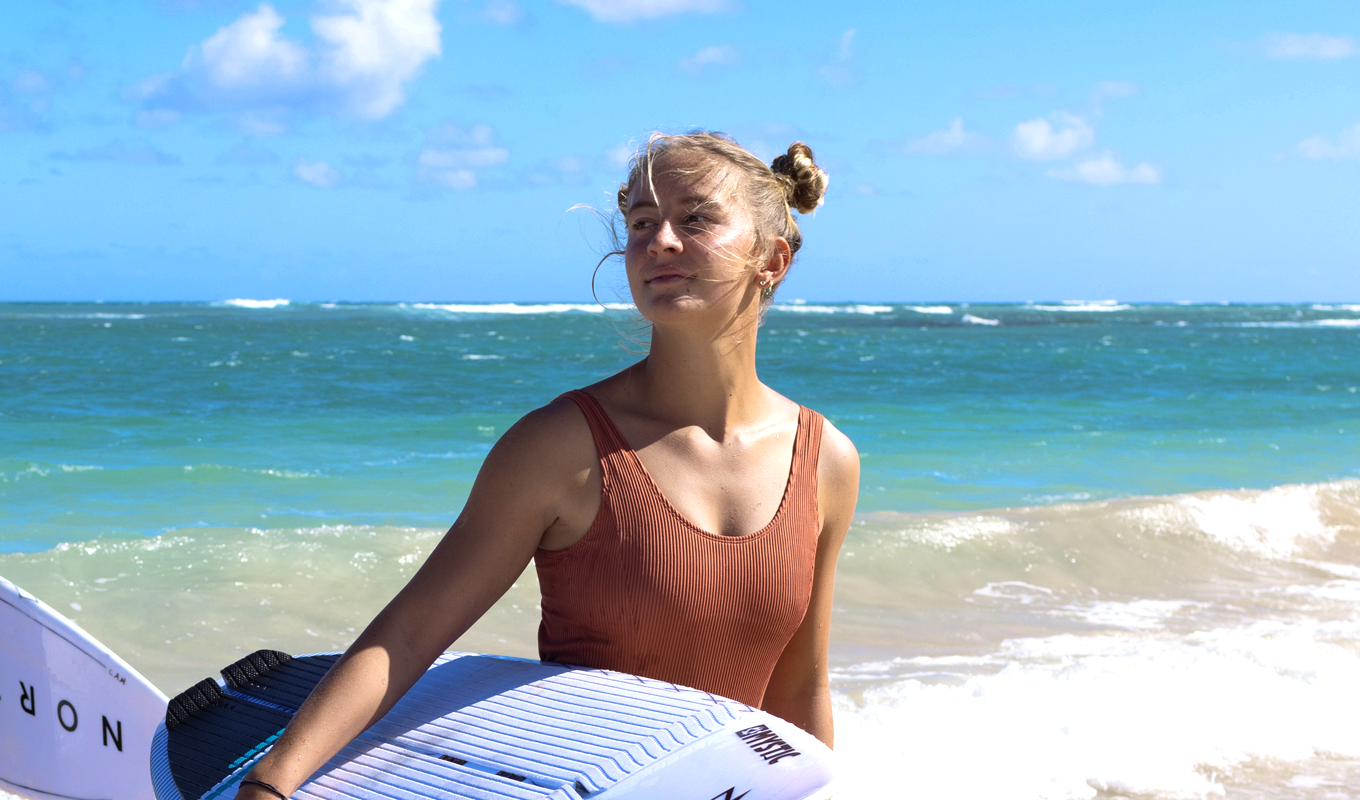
[1083, 305]
[522, 308]
[849, 308]
[246, 303]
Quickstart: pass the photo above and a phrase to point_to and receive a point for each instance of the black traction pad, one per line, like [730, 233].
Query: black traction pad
[212, 730]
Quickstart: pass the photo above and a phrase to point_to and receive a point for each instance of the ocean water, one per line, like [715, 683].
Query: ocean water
[1103, 550]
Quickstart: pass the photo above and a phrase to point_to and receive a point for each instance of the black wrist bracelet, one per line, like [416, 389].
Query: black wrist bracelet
[265, 786]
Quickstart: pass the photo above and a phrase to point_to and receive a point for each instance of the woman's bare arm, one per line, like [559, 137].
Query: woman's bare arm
[799, 690]
[531, 484]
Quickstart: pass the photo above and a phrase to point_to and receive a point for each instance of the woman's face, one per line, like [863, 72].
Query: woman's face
[691, 243]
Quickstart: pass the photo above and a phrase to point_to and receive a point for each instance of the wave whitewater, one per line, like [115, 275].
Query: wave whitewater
[1185, 646]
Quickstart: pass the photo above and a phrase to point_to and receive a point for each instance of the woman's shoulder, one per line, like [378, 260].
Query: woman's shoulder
[560, 425]
[552, 444]
[837, 469]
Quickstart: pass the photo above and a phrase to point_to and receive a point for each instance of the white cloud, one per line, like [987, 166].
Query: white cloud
[249, 53]
[376, 49]
[950, 140]
[1310, 45]
[712, 56]
[456, 154]
[1105, 170]
[1039, 140]
[317, 173]
[1347, 145]
[630, 10]
[366, 52]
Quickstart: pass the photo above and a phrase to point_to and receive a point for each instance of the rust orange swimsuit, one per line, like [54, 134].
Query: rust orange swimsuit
[645, 591]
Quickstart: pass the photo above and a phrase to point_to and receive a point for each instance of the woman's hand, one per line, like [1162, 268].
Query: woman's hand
[799, 690]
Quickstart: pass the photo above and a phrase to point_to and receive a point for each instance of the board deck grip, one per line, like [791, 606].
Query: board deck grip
[191, 702]
[248, 670]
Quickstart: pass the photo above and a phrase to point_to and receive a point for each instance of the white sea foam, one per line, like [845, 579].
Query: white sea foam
[969, 319]
[1015, 591]
[1311, 323]
[849, 308]
[522, 308]
[1135, 615]
[1347, 307]
[1274, 523]
[247, 303]
[949, 532]
[931, 309]
[1083, 305]
[1136, 713]
[482, 357]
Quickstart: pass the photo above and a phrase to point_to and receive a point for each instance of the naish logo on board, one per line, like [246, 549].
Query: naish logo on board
[767, 744]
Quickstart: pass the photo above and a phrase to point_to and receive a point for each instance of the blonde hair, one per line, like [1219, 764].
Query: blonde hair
[771, 193]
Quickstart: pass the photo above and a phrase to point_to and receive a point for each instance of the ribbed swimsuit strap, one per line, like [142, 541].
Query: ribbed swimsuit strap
[807, 452]
[612, 448]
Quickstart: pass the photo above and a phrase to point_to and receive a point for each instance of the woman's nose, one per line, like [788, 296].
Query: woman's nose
[664, 241]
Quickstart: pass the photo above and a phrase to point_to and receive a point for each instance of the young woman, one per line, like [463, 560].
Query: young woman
[684, 518]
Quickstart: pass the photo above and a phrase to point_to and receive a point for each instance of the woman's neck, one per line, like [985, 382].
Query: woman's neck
[706, 380]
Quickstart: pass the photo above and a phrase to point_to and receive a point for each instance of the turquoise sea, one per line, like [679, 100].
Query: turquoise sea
[1103, 549]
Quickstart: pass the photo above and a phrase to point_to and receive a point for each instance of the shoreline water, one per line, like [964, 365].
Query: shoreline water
[1100, 553]
[1176, 646]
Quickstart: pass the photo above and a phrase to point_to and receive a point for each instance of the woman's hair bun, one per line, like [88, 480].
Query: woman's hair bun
[804, 182]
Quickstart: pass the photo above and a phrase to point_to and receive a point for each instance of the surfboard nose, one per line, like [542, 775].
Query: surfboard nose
[75, 719]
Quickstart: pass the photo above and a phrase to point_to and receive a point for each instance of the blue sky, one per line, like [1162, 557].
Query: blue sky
[430, 150]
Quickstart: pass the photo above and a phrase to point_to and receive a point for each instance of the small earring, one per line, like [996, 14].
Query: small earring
[766, 290]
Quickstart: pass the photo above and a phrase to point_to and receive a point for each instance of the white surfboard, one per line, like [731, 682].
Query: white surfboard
[478, 726]
[75, 720]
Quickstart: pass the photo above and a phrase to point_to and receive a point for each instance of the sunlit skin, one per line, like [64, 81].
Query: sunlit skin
[717, 441]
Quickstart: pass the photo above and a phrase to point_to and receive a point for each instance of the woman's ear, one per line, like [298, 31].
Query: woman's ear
[776, 267]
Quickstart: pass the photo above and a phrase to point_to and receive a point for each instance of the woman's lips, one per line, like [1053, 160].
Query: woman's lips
[667, 275]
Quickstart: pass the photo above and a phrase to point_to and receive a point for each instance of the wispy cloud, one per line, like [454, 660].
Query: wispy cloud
[503, 12]
[952, 139]
[1107, 89]
[630, 10]
[456, 154]
[120, 153]
[838, 71]
[1106, 170]
[1315, 46]
[366, 52]
[317, 173]
[1345, 146]
[1047, 139]
[718, 55]
[618, 156]
[248, 154]
[25, 100]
